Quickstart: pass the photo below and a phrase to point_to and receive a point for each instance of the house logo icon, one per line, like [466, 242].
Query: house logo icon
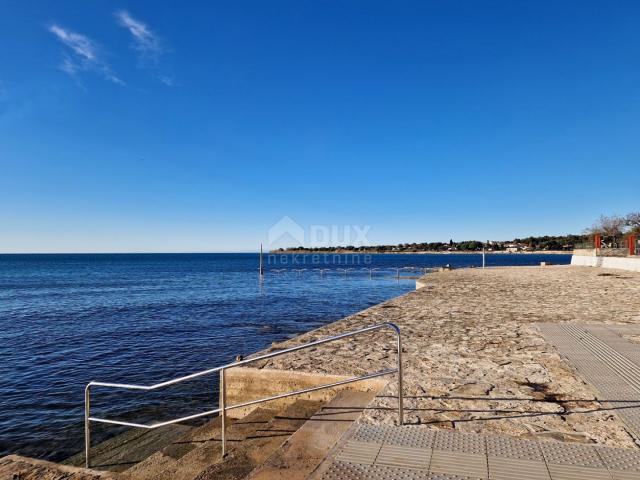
[285, 233]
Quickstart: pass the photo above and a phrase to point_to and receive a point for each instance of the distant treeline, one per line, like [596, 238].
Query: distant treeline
[549, 242]
[545, 243]
[611, 227]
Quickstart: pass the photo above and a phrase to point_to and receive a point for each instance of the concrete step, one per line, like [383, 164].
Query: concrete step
[250, 440]
[244, 456]
[187, 455]
[129, 448]
[301, 453]
[15, 467]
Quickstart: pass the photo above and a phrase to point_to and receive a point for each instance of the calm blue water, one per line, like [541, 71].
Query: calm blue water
[69, 319]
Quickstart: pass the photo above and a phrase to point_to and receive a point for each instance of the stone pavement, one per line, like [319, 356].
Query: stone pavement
[376, 452]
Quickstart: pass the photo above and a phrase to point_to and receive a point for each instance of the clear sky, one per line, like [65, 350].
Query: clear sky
[195, 126]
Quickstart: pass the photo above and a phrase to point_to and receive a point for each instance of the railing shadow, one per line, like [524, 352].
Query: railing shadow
[615, 405]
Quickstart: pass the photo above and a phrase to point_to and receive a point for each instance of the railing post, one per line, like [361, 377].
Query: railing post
[223, 406]
[87, 425]
[400, 393]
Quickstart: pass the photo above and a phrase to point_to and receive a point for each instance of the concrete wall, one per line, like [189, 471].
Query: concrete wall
[621, 263]
[245, 384]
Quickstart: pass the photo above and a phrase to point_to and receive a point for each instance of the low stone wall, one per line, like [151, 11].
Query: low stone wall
[585, 252]
[621, 263]
[245, 384]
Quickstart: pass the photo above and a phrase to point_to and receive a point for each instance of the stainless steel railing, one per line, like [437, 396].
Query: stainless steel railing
[223, 388]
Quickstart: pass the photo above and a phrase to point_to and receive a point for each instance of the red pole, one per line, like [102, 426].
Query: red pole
[632, 244]
[597, 240]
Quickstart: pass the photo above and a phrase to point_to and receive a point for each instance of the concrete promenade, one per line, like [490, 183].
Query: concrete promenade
[511, 373]
[475, 358]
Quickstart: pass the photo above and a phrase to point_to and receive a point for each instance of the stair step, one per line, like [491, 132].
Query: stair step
[129, 448]
[303, 452]
[190, 454]
[244, 456]
[264, 445]
[24, 468]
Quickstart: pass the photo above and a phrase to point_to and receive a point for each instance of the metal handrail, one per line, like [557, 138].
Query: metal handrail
[223, 391]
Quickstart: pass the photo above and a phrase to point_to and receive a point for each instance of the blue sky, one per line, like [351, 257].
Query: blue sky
[195, 126]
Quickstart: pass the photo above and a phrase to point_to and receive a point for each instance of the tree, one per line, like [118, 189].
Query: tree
[632, 221]
[612, 226]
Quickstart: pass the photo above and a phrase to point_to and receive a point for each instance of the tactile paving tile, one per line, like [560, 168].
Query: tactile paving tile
[515, 469]
[502, 459]
[359, 452]
[613, 355]
[448, 476]
[353, 471]
[624, 475]
[406, 457]
[500, 446]
[459, 463]
[629, 349]
[574, 472]
[610, 377]
[624, 329]
[460, 442]
[411, 436]
[571, 454]
[371, 433]
[620, 459]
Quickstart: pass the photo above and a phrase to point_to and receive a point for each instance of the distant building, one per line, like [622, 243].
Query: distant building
[512, 248]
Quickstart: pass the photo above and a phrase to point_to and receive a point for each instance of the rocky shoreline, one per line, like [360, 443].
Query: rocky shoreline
[474, 358]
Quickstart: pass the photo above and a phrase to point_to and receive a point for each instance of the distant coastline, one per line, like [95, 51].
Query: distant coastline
[552, 244]
[339, 251]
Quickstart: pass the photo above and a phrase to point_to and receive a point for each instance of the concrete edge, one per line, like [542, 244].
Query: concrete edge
[619, 263]
[21, 462]
[246, 383]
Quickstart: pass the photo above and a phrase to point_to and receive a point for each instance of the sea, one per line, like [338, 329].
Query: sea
[67, 319]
